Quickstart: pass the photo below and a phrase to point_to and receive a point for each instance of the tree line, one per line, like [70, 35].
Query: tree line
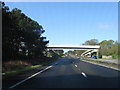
[21, 35]
[107, 48]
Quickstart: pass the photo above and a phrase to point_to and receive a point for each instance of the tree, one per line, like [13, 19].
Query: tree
[109, 47]
[105, 45]
[79, 52]
[91, 42]
[71, 52]
[10, 34]
[21, 35]
[59, 52]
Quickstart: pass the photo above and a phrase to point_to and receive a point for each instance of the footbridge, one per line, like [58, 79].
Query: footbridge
[90, 48]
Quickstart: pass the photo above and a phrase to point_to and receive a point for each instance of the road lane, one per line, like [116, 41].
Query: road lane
[65, 74]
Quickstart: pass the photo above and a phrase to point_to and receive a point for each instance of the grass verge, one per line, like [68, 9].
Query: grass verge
[108, 59]
[17, 71]
[20, 68]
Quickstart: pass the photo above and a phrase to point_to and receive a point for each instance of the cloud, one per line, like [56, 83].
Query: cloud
[104, 26]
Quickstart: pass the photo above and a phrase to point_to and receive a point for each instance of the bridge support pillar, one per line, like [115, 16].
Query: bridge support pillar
[97, 53]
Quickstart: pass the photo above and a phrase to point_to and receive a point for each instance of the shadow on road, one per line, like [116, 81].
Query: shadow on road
[70, 81]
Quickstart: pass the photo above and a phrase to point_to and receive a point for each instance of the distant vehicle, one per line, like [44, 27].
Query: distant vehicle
[95, 57]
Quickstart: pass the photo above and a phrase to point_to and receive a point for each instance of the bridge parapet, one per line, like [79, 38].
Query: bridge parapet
[80, 47]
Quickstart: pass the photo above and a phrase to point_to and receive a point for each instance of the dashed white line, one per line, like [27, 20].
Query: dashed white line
[30, 77]
[84, 74]
[75, 65]
[3, 73]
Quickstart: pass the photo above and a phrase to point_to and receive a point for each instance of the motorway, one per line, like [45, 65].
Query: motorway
[70, 72]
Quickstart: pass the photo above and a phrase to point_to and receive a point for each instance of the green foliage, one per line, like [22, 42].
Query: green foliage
[59, 52]
[79, 52]
[71, 52]
[91, 42]
[51, 53]
[108, 47]
[22, 36]
[76, 52]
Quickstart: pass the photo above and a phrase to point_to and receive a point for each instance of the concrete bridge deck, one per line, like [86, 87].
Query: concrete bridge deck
[78, 47]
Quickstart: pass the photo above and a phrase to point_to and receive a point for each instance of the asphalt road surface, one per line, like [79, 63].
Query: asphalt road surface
[69, 72]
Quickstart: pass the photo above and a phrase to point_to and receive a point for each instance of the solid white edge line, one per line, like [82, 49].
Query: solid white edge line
[102, 65]
[83, 74]
[30, 77]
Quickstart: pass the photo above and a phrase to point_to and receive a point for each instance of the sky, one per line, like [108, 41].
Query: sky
[72, 23]
[61, 0]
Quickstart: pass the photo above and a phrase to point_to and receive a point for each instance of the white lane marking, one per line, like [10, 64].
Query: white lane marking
[75, 65]
[84, 74]
[3, 73]
[102, 65]
[48, 67]
[30, 77]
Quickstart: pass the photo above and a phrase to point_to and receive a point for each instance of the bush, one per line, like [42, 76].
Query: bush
[12, 65]
[115, 56]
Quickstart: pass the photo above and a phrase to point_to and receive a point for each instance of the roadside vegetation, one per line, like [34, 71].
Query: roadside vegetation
[108, 48]
[23, 45]
[13, 68]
